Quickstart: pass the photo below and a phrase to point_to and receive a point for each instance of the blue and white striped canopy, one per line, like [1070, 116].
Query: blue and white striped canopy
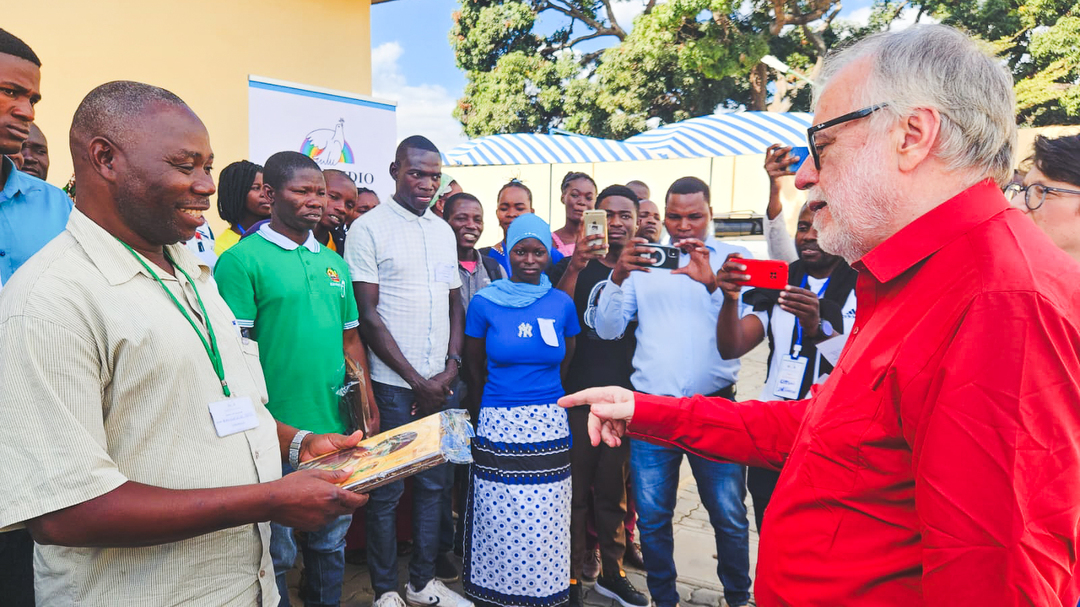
[706, 136]
[725, 134]
[528, 148]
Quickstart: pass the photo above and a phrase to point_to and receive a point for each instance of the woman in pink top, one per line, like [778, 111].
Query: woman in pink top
[579, 195]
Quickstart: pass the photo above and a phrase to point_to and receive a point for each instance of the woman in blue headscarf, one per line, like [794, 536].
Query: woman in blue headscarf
[519, 339]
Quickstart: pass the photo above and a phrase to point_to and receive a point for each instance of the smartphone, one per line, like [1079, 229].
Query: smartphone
[662, 257]
[765, 273]
[801, 153]
[595, 222]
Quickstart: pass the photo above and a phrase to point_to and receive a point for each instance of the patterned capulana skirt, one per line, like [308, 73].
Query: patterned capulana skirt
[517, 533]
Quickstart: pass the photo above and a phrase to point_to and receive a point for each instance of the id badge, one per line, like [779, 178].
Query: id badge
[790, 376]
[233, 415]
[444, 272]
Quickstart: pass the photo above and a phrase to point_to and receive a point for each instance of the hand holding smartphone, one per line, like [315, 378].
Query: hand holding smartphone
[595, 224]
[764, 273]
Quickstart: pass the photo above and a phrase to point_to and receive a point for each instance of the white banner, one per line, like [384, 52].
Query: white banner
[338, 130]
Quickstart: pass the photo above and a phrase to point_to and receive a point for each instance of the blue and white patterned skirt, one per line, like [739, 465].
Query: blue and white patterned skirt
[517, 533]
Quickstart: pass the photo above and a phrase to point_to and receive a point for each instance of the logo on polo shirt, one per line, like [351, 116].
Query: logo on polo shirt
[335, 280]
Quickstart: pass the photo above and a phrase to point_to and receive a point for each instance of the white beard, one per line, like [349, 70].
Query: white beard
[861, 207]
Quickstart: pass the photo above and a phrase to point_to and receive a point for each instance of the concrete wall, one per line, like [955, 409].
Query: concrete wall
[202, 50]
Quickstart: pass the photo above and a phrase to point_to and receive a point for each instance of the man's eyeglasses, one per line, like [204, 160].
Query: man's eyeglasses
[812, 132]
[1034, 194]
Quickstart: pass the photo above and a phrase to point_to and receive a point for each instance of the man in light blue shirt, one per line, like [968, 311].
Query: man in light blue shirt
[676, 355]
[32, 213]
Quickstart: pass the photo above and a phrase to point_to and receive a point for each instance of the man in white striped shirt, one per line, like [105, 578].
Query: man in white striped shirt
[403, 262]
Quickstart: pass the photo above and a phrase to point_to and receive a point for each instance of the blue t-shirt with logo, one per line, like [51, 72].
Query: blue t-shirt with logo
[525, 347]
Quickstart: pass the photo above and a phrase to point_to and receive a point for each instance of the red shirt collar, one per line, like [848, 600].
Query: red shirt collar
[931, 232]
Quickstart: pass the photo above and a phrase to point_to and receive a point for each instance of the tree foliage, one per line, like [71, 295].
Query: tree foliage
[537, 65]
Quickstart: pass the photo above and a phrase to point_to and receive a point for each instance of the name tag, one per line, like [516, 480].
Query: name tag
[444, 272]
[789, 377]
[233, 415]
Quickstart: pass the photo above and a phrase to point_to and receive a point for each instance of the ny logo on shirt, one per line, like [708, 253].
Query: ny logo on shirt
[525, 330]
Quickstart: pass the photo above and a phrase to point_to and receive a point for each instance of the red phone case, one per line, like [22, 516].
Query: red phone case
[765, 273]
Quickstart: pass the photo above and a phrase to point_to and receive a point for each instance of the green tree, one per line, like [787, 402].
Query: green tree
[683, 58]
[1039, 40]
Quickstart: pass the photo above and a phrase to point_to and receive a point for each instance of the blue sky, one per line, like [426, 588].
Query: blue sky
[413, 64]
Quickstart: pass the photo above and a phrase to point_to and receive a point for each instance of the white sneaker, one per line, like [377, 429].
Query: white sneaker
[389, 599]
[435, 593]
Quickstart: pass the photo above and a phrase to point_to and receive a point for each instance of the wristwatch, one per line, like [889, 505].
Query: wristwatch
[825, 329]
[294, 448]
[455, 358]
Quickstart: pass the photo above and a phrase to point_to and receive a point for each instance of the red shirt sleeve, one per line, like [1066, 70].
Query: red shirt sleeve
[996, 457]
[754, 433]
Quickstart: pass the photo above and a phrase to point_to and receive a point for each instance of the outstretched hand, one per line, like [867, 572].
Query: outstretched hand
[612, 409]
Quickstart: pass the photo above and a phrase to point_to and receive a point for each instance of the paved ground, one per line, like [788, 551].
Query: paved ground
[695, 546]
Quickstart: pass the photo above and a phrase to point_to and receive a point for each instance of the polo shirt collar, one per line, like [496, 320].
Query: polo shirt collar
[407, 214]
[113, 260]
[286, 243]
[933, 231]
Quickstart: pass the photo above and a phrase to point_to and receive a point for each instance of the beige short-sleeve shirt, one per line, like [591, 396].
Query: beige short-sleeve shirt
[102, 381]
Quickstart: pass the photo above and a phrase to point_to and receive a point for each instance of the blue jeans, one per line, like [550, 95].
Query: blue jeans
[395, 404]
[324, 559]
[722, 487]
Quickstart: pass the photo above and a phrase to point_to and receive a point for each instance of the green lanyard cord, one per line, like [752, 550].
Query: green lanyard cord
[211, 347]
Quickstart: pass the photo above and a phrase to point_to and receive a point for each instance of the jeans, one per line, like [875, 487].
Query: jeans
[324, 559]
[395, 404]
[17, 568]
[722, 487]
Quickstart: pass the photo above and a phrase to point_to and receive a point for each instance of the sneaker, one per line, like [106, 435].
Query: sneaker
[575, 594]
[445, 569]
[435, 593]
[389, 599]
[619, 588]
[632, 557]
[591, 569]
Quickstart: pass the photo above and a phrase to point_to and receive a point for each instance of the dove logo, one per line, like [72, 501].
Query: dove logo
[328, 147]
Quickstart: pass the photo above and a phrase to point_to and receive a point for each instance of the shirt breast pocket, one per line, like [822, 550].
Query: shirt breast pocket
[838, 430]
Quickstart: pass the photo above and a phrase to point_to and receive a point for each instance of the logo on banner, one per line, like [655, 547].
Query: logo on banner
[328, 147]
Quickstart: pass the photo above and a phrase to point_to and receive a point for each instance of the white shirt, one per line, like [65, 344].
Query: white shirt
[202, 245]
[676, 353]
[782, 324]
[414, 261]
[781, 245]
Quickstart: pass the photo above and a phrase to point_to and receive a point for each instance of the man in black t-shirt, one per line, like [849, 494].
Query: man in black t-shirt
[600, 471]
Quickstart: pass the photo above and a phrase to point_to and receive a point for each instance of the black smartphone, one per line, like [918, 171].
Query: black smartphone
[662, 257]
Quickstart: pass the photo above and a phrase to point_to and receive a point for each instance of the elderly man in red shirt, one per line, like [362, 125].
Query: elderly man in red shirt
[940, 462]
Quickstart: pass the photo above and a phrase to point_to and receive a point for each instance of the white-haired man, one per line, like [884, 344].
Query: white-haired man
[940, 462]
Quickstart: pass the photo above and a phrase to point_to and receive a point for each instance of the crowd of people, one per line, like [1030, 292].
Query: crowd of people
[917, 440]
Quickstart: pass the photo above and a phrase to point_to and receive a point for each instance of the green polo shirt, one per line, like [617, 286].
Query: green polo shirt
[297, 301]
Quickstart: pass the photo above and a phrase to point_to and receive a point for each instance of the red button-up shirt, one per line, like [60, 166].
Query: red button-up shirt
[939, 464]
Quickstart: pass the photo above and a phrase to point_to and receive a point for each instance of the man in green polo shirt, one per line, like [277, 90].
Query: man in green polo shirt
[294, 297]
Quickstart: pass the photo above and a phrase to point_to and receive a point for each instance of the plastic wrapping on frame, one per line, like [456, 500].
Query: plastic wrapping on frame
[402, 452]
[456, 435]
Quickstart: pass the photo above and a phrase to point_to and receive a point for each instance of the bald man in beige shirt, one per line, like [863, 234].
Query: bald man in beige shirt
[139, 453]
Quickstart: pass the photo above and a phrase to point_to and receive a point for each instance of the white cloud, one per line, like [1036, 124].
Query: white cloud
[905, 20]
[423, 109]
[624, 12]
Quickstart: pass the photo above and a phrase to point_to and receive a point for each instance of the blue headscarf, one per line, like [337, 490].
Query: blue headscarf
[508, 293]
